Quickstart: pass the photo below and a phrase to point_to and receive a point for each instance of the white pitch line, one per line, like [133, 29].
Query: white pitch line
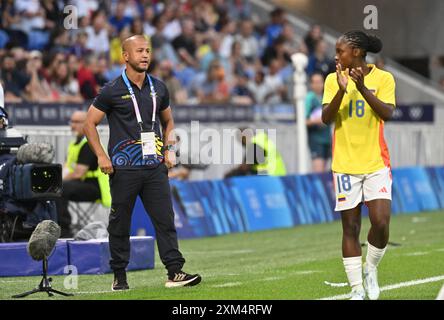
[393, 286]
[419, 253]
[228, 284]
[220, 252]
[91, 292]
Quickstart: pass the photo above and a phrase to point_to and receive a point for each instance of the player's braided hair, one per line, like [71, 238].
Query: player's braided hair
[362, 40]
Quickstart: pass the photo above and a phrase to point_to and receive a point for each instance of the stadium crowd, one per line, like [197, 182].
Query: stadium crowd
[206, 51]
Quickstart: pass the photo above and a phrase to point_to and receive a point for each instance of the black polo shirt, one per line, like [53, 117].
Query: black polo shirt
[124, 147]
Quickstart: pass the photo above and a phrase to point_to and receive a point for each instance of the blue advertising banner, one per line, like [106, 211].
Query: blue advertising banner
[241, 204]
[412, 191]
[190, 201]
[183, 228]
[436, 178]
[211, 207]
[263, 202]
[308, 199]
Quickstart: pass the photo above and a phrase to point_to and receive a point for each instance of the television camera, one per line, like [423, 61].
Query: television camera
[29, 183]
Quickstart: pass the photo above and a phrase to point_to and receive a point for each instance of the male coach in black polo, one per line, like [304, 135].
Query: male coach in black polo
[136, 104]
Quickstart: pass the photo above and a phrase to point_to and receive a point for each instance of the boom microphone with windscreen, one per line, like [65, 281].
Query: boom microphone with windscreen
[40, 246]
[43, 240]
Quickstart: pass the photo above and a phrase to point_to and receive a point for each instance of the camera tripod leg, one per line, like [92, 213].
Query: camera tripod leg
[24, 294]
[44, 286]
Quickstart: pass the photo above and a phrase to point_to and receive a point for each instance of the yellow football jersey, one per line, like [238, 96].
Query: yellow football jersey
[358, 140]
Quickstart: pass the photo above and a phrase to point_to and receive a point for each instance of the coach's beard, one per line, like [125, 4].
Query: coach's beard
[138, 68]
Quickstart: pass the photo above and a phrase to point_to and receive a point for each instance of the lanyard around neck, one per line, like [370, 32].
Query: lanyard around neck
[136, 105]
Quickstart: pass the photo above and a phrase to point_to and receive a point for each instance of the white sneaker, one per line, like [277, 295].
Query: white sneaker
[371, 282]
[358, 293]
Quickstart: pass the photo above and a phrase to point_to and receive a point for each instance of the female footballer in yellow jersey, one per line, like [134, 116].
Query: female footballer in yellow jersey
[358, 98]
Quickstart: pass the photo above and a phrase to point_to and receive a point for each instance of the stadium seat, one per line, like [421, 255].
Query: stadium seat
[38, 40]
[83, 213]
[4, 39]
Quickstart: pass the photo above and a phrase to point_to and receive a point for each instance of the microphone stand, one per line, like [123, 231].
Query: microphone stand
[44, 286]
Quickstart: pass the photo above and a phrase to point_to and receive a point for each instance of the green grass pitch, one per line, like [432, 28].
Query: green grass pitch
[289, 263]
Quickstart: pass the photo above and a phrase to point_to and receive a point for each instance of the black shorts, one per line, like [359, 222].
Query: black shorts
[318, 150]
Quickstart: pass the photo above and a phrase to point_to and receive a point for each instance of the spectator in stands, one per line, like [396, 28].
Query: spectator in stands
[148, 17]
[85, 75]
[215, 89]
[79, 47]
[172, 24]
[119, 20]
[240, 93]
[73, 65]
[249, 43]
[178, 95]
[238, 10]
[137, 26]
[98, 33]
[10, 16]
[238, 64]
[258, 88]
[64, 84]
[32, 15]
[319, 61]
[205, 17]
[227, 31]
[101, 73]
[184, 43]
[278, 50]
[319, 134]
[39, 88]
[53, 14]
[59, 41]
[312, 37]
[277, 92]
[115, 52]
[213, 53]
[162, 48]
[274, 29]
[14, 81]
[11, 23]
[82, 179]
[50, 64]
[293, 42]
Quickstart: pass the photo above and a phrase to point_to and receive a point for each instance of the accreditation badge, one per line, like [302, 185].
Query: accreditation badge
[148, 140]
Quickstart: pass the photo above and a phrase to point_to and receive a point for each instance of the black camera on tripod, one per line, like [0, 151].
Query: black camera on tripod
[29, 183]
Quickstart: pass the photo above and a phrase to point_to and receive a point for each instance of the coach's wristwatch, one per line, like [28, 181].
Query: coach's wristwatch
[171, 147]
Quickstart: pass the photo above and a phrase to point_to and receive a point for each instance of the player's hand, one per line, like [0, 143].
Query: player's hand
[105, 165]
[170, 159]
[357, 76]
[342, 79]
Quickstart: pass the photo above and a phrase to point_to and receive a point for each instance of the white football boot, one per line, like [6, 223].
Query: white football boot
[358, 293]
[371, 282]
